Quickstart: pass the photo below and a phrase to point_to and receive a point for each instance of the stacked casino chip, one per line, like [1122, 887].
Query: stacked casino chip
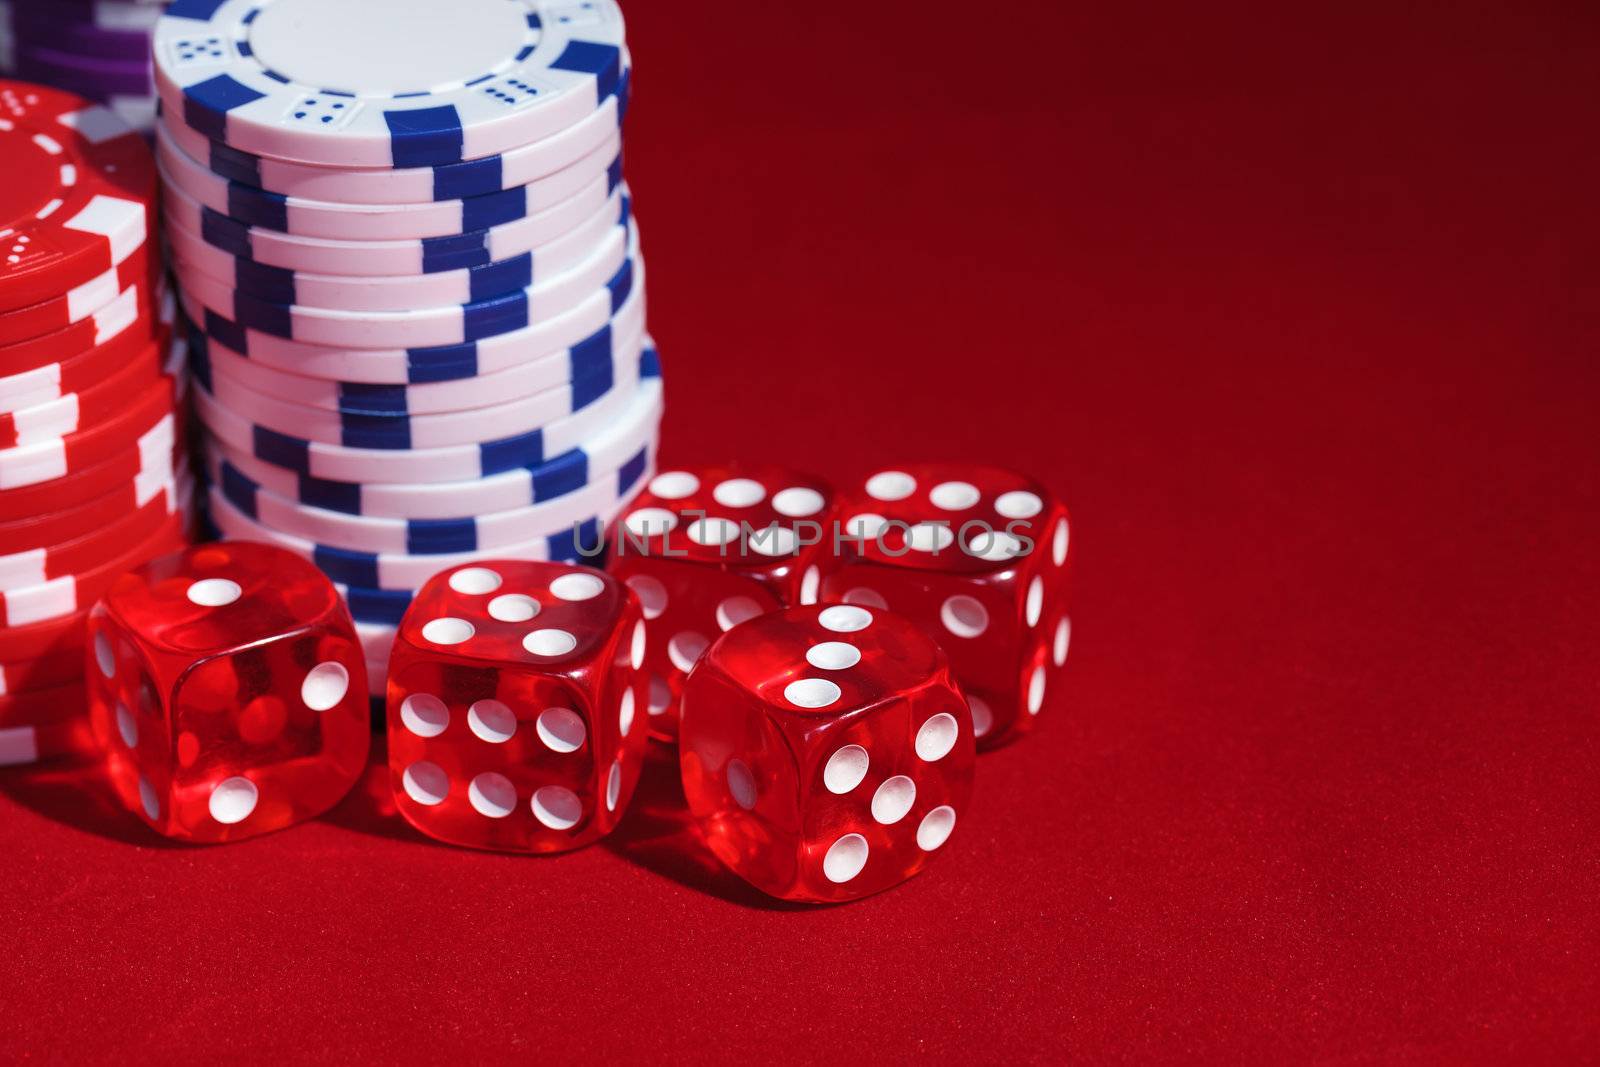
[91, 383]
[401, 230]
[95, 48]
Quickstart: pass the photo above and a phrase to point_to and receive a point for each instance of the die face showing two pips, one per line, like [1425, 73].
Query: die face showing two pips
[228, 691]
[515, 706]
[826, 752]
[706, 549]
[980, 557]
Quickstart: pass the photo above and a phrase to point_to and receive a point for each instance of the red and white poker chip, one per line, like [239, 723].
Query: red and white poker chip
[41, 707]
[84, 368]
[32, 744]
[78, 196]
[43, 640]
[46, 672]
[128, 320]
[46, 723]
[81, 410]
[57, 527]
[152, 456]
[58, 457]
[80, 303]
[39, 566]
[67, 596]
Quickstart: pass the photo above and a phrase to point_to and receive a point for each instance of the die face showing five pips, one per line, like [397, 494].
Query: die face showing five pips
[825, 751]
[515, 704]
[228, 691]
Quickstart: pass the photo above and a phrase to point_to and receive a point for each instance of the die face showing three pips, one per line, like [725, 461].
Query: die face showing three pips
[228, 691]
[981, 558]
[825, 751]
[710, 547]
[515, 706]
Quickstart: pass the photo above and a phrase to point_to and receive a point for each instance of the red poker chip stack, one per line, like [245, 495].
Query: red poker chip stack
[92, 476]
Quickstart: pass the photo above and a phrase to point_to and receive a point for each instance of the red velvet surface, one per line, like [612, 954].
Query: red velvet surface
[1295, 304]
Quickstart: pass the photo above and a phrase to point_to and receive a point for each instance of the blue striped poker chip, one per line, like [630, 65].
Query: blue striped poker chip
[343, 221]
[616, 343]
[452, 464]
[371, 412]
[497, 418]
[215, 255]
[427, 537]
[401, 83]
[451, 324]
[435, 363]
[584, 540]
[383, 607]
[624, 449]
[443, 181]
[394, 257]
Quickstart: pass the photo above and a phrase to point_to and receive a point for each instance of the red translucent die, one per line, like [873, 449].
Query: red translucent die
[228, 691]
[515, 706]
[978, 556]
[826, 752]
[709, 548]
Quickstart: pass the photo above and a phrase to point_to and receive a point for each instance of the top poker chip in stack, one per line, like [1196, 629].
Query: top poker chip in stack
[91, 382]
[401, 230]
[96, 48]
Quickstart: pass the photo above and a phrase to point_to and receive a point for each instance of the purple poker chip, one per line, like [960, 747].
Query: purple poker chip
[34, 27]
[89, 75]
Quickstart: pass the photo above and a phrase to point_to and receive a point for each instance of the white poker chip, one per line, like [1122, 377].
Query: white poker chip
[386, 83]
[393, 292]
[381, 221]
[455, 463]
[599, 355]
[403, 431]
[412, 185]
[422, 255]
[400, 365]
[385, 570]
[630, 440]
[486, 532]
[424, 327]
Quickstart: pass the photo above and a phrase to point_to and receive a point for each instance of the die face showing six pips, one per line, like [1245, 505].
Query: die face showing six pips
[227, 690]
[981, 558]
[952, 517]
[826, 752]
[515, 702]
[706, 549]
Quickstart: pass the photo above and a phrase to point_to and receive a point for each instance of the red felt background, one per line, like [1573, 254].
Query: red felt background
[1296, 304]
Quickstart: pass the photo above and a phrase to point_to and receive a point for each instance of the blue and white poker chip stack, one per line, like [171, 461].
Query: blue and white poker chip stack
[99, 49]
[401, 230]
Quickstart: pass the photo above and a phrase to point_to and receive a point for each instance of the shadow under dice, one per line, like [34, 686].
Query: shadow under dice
[707, 549]
[826, 752]
[980, 558]
[228, 691]
[515, 706]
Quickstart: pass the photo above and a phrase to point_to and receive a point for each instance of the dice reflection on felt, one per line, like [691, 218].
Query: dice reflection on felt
[515, 706]
[826, 752]
[228, 691]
